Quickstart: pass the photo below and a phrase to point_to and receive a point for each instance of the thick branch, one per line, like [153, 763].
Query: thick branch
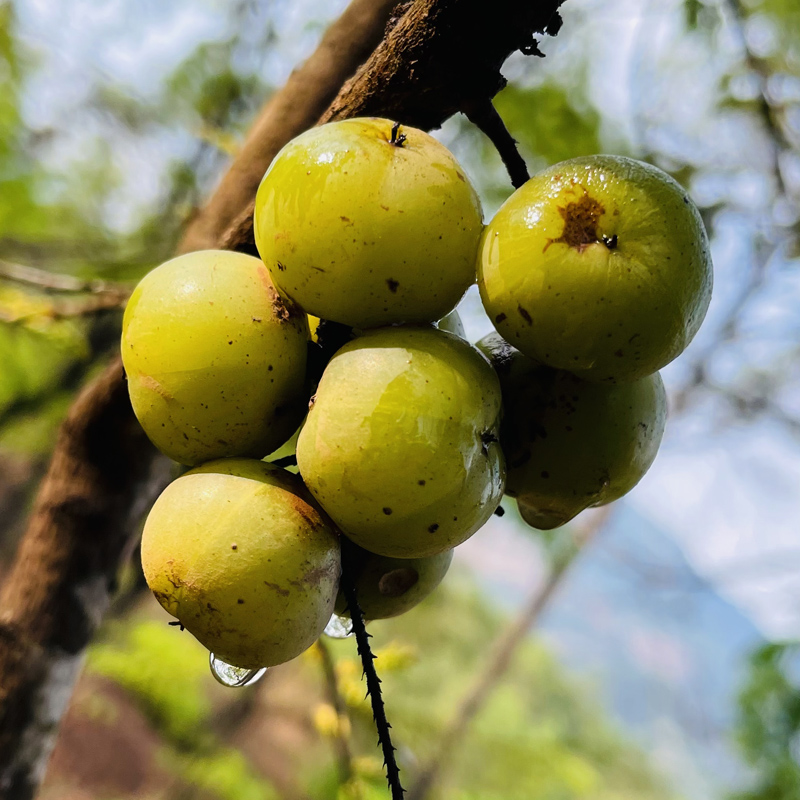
[441, 57]
[290, 111]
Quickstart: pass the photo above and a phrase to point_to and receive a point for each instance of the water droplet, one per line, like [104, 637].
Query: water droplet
[228, 675]
[339, 627]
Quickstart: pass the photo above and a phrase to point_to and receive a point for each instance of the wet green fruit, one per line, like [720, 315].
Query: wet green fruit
[365, 227]
[236, 551]
[387, 587]
[571, 444]
[215, 359]
[599, 266]
[399, 446]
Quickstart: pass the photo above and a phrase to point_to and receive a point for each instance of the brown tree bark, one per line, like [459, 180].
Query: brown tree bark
[438, 57]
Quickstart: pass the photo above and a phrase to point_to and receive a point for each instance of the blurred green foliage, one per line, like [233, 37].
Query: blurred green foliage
[768, 728]
[540, 737]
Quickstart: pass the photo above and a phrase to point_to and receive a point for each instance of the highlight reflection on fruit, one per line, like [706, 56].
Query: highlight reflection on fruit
[367, 224]
[599, 266]
[400, 445]
[236, 551]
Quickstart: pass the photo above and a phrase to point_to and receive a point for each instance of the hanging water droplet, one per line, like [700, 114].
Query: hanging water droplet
[228, 675]
[339, 627]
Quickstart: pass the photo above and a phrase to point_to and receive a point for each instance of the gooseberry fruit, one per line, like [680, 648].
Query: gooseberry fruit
[237, 551]
[570, 443]
[387, 587]
[215, 359]
[400, 444]
[598, 265]
[366, 224]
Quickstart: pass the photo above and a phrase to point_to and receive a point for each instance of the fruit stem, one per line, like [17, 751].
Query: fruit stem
[396, 140]
[367, 659]
[484, 115]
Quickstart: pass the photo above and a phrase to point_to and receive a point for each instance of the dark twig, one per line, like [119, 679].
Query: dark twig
[342, 742]
[373, 681]
[484, 116]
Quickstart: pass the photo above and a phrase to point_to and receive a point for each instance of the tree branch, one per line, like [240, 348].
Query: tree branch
[439, 56]
[342, 741]
[485, 117]
[295, 108]
[367, 662]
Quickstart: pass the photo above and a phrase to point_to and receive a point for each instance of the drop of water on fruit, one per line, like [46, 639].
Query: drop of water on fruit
[338, 627]
[228, 675]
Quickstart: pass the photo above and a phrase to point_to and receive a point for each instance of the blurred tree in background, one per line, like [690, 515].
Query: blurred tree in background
[95, 189]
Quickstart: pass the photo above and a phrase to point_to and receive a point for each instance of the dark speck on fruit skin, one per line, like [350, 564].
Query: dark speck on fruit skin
[433, 528]
[387, 511]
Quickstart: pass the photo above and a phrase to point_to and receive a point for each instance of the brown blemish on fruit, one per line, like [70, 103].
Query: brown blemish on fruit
[392, 284]
[523, 312]
[387, 511]
[580, 223]
[281, 267]
[433, 528]
[282, 308]
[499, 318]
[397, 582]
[279, 589]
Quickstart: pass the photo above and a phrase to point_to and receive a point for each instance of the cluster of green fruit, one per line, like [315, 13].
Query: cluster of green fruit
[596, 270]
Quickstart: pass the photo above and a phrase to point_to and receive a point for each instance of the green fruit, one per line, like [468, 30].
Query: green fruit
[239, 554]
[387, 587]
[571, 444]
[365, 232]
[399, 446]
[215, 359]
[599, 266]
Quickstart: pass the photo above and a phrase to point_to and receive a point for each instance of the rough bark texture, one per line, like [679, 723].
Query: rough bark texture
[290, 111]
[437, 58]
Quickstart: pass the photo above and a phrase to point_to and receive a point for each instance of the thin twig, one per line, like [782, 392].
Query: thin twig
[342, 740]
[373, 681]
[54, 282]
[503, 650]
[485, 117]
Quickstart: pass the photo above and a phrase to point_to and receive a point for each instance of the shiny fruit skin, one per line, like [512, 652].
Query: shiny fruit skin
[364, 232]
[215, 360]
[399, 446]
[599, 266]
[387, 587]
[238, 554]
[571, 444]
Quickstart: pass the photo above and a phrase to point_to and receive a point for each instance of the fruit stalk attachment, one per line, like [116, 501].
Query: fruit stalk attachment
[483, 115]
[371, 675]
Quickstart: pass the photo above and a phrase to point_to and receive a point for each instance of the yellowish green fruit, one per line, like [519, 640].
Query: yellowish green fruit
[599, 266]
[215, 359]
[387, 587]
[399, 446]
[367, 230]
[571, 444]
[239, 554]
